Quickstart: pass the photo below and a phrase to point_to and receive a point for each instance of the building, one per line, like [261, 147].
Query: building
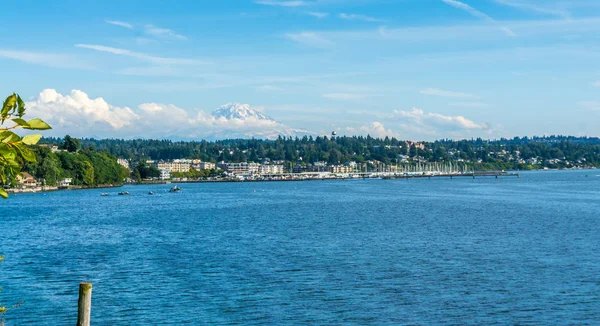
[299, 168]
[123, 162]
[26, 180]
[175, 166]
[317, 167]
[206, 166]
[65, 182]
[341, 169]
[165, 174]
[53, 148]
[270, 169]
[243, 168]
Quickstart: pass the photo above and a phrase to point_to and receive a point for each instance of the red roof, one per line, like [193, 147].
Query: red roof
[27, 176]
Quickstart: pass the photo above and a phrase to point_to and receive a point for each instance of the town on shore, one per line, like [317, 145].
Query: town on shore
[71, 163]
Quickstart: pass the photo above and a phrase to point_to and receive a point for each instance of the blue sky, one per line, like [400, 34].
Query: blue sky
[414, 69]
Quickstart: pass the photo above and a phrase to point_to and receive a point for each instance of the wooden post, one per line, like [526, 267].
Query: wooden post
[85, 304]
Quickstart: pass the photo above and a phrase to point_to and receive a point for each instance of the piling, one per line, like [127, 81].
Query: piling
[84, 306]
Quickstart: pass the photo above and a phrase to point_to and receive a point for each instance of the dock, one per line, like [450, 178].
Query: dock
[454, 175]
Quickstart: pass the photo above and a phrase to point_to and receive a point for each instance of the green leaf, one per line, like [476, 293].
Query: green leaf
[20, 122]
[32, 139]
[26, 153]
[9, 104]
[8, 153]
[9, 137]
[13, 167]
[3, 193]
[37, 124]
[21, 104]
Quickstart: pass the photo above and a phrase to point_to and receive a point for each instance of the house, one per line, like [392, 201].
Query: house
[65, 182]
[26, 180]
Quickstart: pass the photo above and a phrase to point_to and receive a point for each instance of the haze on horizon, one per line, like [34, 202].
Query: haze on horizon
[411, 69]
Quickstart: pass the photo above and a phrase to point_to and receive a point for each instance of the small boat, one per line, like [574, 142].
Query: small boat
[122, 193]
[104, 194]
[175, 189]
[150, 193]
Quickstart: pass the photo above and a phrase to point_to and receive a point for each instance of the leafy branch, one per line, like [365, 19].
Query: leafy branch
[13, 148]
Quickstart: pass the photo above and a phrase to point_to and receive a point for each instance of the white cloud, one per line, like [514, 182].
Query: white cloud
[444, 93]
[597, 84]
[141, 56]
[360, 17]
[375, 129]
[318, 14]
[310, 39]
[417, 121]
[119, 23]
[476, 13]
[289, 3]
[162, 33]
[45, 59]
[79, 115]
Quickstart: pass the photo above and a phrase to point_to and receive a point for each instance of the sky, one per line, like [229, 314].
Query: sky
[412, 69]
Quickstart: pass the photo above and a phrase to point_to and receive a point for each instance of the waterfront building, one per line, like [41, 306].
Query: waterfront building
[206, 166]
[165, 174]
[270, 169]
[26, 180]
[340, 169]
[318, 167]
[65, 182]
[299, 168]
[243, 168]
[175, 166]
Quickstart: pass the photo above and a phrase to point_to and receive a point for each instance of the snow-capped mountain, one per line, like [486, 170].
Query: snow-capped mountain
[235, 110]
[242, 121]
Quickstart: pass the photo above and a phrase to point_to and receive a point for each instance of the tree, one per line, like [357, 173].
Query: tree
[70, 144]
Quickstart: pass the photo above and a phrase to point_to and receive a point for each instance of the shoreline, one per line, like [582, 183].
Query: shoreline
[55, 188]
[293, 178]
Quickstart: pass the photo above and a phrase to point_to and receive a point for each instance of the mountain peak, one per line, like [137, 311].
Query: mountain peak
[236, 110]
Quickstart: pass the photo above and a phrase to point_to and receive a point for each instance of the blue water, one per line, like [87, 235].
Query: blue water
[414, 252]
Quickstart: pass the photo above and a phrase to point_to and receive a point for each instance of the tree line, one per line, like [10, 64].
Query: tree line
[86, 167]
[339, 150]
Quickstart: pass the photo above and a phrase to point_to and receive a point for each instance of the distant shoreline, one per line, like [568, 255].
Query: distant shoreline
[481, 174]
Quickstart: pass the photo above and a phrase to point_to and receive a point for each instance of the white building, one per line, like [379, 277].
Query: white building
[270, 169]
[243, 168]
[206, 166]
[65, 182]
[165, 175]
[175, 166]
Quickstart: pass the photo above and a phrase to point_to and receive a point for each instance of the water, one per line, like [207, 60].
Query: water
[414, 252]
